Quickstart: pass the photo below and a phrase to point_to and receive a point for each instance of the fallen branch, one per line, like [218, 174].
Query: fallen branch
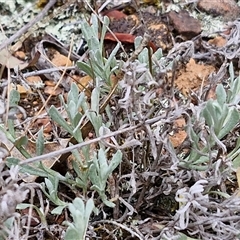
[80, 145]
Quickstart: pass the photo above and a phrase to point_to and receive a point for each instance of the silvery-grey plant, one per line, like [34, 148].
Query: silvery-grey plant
[93, 168]
[219, 117]
[11, 194]
[97, 65]
[90, 170]
[80, 214]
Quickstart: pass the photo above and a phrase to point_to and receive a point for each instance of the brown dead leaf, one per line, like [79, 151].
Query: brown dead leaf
[43, 122]
[34, 80]
[179, 134]
[23, 90]
[20, 54]
[8, 60]
[122, 37]
[82, 81]
[50, 83]
[218, 41]
[60, 60]
[50, 90]
[115, 14]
